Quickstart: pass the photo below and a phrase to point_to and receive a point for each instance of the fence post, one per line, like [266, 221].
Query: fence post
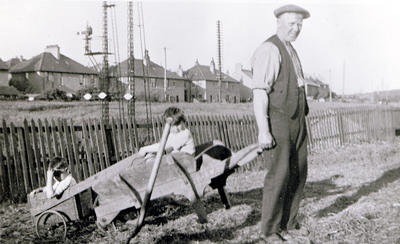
[340, 127]
[5, 183]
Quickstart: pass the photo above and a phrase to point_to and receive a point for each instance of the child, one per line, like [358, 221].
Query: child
[180, 138]
[58, 178]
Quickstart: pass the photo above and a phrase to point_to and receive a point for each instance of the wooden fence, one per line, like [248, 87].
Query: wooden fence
[92, 146]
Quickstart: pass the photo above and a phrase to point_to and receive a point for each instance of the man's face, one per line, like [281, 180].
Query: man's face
[289, 26]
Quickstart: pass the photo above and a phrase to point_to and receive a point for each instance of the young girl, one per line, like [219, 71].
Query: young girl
[180, 138]
[58, 178]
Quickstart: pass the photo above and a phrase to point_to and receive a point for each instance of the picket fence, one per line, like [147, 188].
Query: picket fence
[92, 145]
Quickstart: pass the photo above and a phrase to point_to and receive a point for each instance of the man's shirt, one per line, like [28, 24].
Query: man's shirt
[266, 64]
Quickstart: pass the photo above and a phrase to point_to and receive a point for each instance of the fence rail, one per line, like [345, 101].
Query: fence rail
[92, 146]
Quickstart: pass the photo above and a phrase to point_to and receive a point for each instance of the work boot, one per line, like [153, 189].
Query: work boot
[298, 235]
[300, 230]
[274, 238]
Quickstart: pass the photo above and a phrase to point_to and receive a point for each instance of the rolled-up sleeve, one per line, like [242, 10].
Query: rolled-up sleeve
[265, 64]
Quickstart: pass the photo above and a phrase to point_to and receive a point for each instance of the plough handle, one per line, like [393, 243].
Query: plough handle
[152, 180]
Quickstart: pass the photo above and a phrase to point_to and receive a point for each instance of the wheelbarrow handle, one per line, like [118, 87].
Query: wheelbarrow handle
[152, 180]
[160, 152]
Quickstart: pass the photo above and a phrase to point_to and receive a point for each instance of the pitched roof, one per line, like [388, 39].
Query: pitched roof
[247, 72]
[46, 62]
[203, 72]
[311, 82]
[155, 71]
[13, 62]
[3, 65]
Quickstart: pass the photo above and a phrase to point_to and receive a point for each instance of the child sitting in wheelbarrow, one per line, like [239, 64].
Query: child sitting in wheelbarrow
[180, 138]
[58, 178]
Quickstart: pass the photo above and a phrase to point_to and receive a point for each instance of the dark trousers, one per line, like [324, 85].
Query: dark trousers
[287, 171]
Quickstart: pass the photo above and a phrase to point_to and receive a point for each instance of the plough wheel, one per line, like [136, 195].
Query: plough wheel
[51, 226]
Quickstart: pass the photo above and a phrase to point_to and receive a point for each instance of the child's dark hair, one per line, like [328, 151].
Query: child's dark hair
[58, 164]
[176, 114]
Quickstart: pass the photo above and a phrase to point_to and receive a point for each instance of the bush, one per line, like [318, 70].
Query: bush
[91, 90]
[21, 85]
[57, 94]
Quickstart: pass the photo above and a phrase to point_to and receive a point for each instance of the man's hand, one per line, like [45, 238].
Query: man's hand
[265, 142]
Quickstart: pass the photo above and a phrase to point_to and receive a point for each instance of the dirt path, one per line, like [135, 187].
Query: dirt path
[352, 196]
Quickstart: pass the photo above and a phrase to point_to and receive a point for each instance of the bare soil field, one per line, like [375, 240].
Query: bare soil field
[352, 196]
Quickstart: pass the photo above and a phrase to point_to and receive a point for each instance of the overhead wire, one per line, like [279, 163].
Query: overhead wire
[148, 65]
[117, 63]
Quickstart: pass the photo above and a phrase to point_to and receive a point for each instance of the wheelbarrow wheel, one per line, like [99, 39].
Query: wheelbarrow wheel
[51, 226]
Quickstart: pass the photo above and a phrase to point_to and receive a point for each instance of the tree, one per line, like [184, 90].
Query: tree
[21, 84]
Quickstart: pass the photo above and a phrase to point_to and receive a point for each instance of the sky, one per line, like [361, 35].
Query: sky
[350, 45]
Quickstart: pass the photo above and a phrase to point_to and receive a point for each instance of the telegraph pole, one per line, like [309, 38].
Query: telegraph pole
[165, 74]
[219, 61]
[131, 64]
[344, 77]
[330, 86]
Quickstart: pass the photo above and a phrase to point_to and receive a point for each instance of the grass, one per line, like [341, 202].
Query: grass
[17, 111]
[351, 196]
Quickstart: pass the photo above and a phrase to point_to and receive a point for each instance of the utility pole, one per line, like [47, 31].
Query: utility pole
[165, 74]
[344, 77]
[330, 86]
[131, 63]
[219, 61]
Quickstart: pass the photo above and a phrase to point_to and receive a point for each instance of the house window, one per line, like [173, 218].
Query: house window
[210, 99]
[62, 80]
[227, 98]
[177, 99]
[153, 82]
[81, 80]
[173, 83]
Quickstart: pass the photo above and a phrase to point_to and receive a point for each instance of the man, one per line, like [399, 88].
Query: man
[280, 108]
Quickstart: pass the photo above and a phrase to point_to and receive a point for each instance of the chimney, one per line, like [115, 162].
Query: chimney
[238, 68]
[146, 58]
[212, 66]
[54, 50]
[180, 71]
[197, 62]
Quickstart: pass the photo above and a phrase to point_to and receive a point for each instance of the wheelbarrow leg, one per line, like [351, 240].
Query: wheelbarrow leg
[224, 197]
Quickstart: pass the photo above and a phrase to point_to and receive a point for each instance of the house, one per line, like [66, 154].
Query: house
[51, 70]
[13, 61]
[311, 88]
[315, 88]
[206, 84]
[163, 85]
[5, 66]
[9, 93]
[244, 76]
[3, 73]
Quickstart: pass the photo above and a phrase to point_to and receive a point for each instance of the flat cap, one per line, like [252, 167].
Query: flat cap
[291, 8]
